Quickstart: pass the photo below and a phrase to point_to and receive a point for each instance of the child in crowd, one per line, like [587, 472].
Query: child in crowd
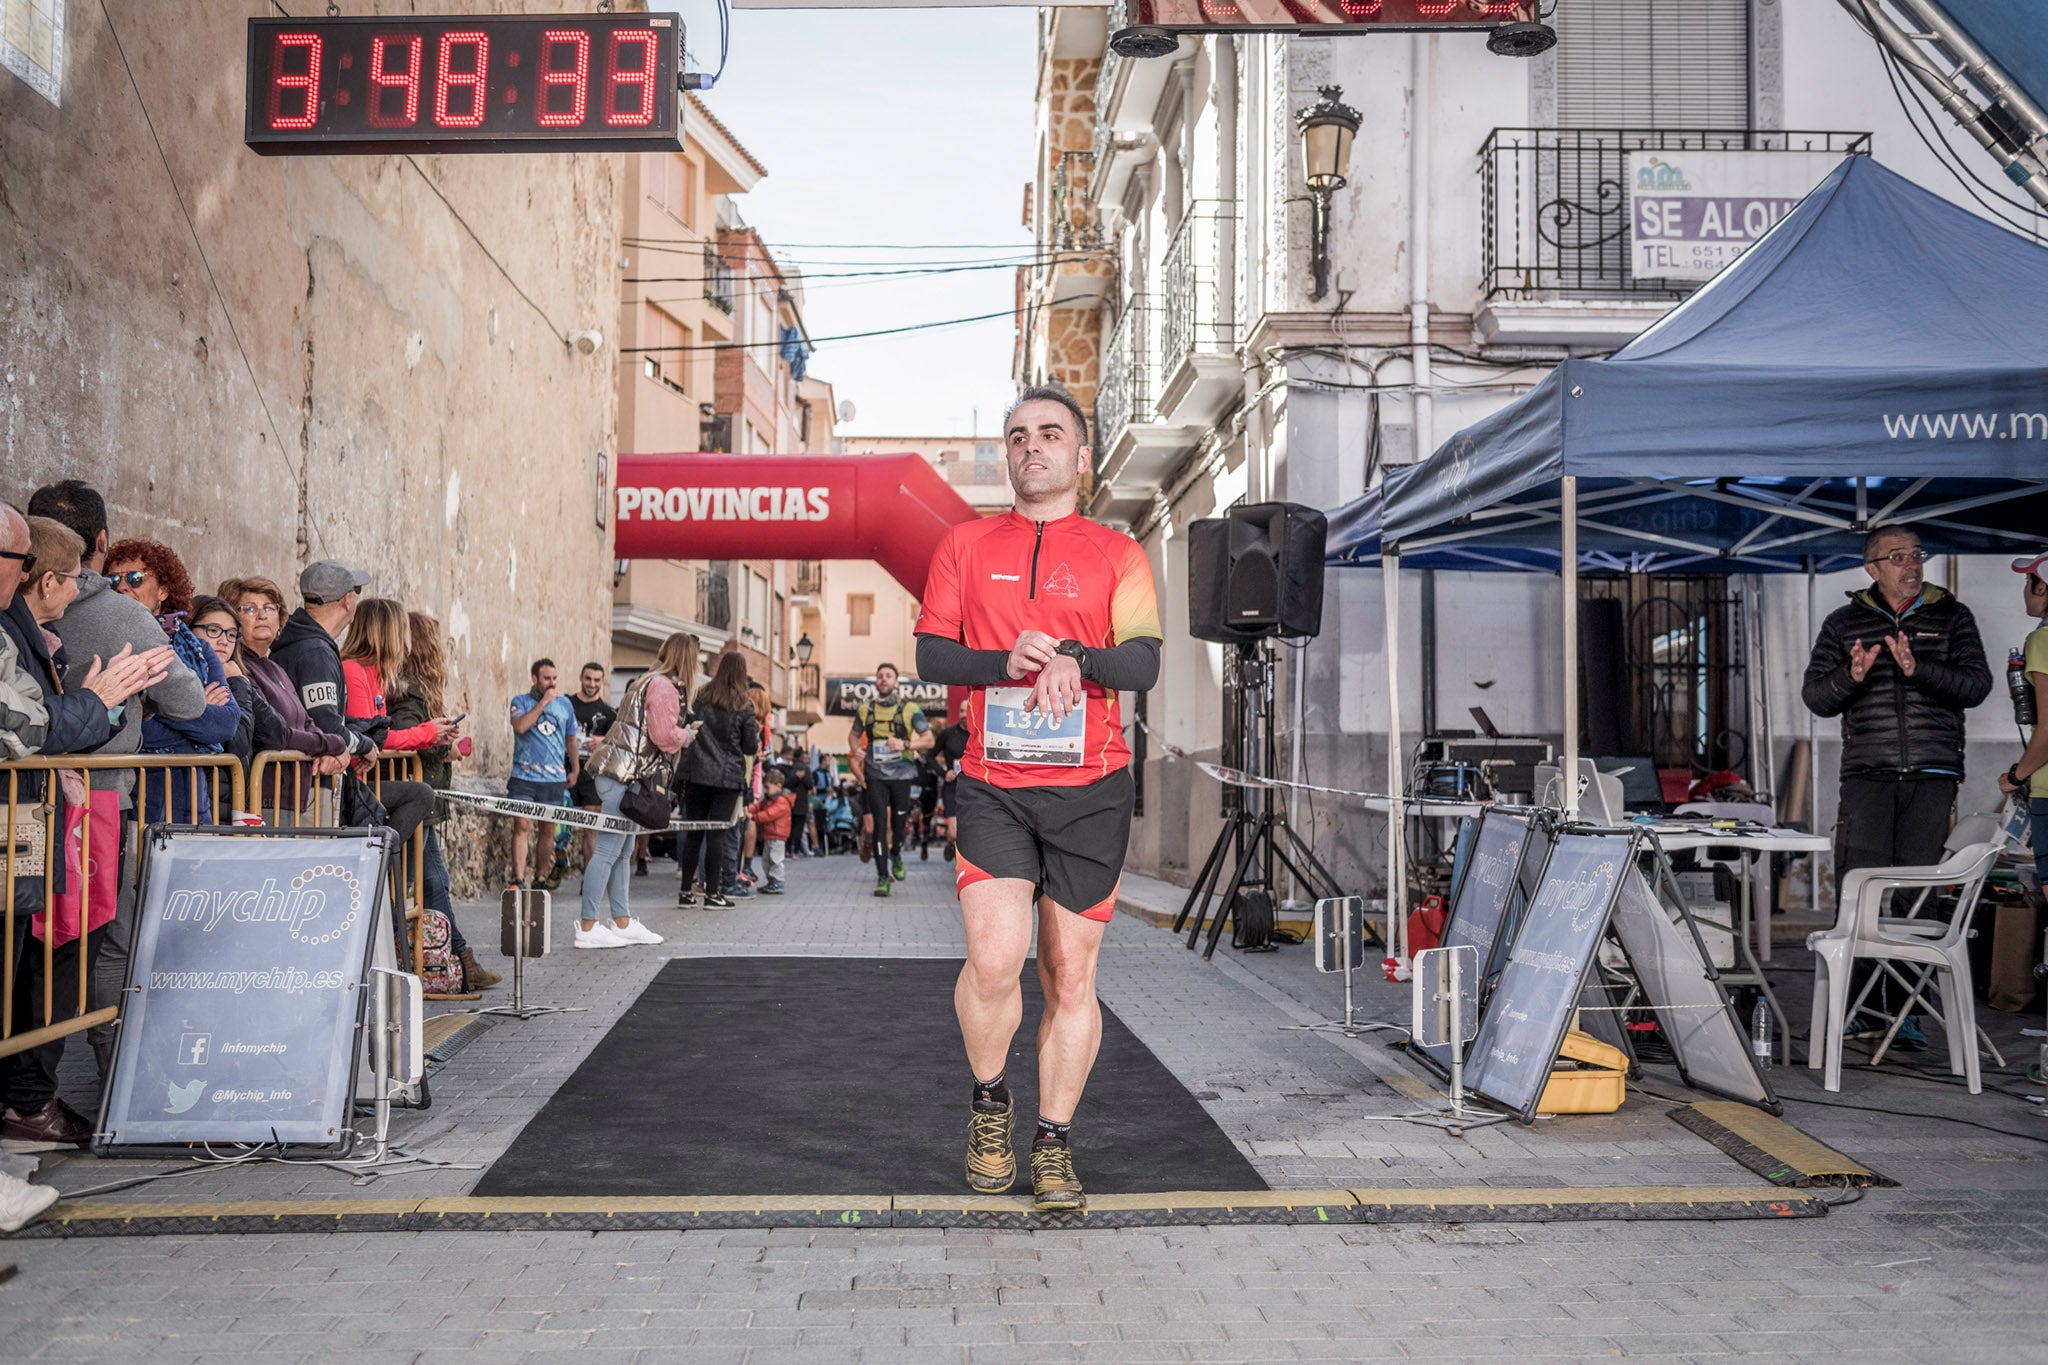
[771, 818]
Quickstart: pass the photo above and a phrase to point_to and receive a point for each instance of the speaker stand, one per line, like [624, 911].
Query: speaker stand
[1257, 831]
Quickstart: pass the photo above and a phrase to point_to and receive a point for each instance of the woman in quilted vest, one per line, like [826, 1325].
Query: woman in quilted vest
[643, 742]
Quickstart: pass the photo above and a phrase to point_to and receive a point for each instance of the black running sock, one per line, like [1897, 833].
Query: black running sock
[992, 1096]
[1051, 1134]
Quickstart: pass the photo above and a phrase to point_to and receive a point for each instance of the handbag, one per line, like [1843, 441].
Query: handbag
[647, 803]
[359, 804]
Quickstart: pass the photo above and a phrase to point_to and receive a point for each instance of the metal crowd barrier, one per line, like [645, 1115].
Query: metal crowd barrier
[280, 786]
[294, 796]
[35, 844]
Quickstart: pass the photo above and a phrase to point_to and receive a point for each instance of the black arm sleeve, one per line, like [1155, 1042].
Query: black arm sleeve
[1132, 666]
[946, 661]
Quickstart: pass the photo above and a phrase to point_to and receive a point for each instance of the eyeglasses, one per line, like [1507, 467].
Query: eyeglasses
[1900, 558]
[228, 633]
[134, 578]
[27, 561]
[260, 609]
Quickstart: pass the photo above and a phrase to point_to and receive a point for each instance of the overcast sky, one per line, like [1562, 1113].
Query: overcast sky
[890, 127]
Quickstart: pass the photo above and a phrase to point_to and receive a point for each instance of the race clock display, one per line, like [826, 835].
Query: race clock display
[486, 83]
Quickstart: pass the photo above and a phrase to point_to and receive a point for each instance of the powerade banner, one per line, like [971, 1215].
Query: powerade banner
[244, 989]
[843, 696]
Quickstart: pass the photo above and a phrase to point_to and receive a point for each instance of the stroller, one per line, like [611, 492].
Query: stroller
[841, 833]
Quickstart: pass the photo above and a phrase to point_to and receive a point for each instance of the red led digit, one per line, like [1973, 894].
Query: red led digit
[448, 78]
[552, 78]
[308, 85]
[1360, 9]
[1433, 9]
[617, 79]
[387, 75]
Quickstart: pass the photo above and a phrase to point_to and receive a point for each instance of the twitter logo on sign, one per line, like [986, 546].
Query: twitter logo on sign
[183, 1097]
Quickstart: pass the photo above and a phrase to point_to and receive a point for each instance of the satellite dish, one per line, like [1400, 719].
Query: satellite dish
[846, 410]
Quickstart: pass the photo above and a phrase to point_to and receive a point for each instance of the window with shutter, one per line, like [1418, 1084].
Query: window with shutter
[1653, 64]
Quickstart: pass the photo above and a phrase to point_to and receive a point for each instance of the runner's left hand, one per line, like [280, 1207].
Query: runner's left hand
[1058, 691]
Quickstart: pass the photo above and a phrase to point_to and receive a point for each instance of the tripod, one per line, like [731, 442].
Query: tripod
[1258, 833]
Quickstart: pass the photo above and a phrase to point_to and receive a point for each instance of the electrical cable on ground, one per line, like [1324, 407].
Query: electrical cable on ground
[234, 334]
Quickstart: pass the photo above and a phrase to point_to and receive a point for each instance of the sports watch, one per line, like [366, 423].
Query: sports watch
[1074, 650]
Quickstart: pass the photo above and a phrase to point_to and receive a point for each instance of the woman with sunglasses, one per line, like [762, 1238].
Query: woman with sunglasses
[151, 573]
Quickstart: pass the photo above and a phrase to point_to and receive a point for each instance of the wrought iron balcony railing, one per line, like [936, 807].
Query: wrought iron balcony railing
[1076, 223]
[1130, 373]
[1554, 204]
[714, 599]
[1194, 317]
[1105, 80]
[718, 280]
[809, 579]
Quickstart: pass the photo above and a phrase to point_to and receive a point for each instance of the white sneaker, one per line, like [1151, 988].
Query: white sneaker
[635, 932]
[599, 935]
[20, 1202]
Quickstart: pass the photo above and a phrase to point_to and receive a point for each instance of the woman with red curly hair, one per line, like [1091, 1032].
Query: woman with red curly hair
[152, 574]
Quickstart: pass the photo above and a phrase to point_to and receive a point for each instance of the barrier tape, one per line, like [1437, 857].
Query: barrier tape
[1237, 777]
[579, 818]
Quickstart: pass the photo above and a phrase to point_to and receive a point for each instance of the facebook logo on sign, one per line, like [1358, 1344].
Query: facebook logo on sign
[193, 1047]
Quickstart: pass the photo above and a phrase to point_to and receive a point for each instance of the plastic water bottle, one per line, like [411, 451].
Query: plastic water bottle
[2022, 690]
[1760, 1034]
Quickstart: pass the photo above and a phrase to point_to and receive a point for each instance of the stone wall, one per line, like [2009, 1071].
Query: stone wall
[379, 376]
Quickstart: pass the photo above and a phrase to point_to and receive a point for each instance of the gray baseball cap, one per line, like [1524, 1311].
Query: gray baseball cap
[329, 580]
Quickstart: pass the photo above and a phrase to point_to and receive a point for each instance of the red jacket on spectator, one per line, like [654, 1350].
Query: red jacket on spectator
[366, 702]
[771, 814]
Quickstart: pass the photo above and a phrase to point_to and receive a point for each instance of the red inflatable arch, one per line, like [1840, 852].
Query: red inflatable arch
[892, 509]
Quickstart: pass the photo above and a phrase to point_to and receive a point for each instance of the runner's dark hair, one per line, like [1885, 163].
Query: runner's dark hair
[587, 667]
[1050, 393]
[538, 665]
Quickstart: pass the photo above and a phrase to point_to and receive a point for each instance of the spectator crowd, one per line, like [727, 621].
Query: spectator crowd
[108, 648]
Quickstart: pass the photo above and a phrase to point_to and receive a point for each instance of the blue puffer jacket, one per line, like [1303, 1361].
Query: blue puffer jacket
[206, 733]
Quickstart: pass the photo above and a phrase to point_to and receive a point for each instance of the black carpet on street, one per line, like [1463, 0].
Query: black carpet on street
[823, 1075]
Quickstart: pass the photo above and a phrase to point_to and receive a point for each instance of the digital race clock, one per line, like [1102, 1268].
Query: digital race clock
[546, 83]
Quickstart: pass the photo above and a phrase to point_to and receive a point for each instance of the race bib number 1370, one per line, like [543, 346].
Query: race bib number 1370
[1012, 734]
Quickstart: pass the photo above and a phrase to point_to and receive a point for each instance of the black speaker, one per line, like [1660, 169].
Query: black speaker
[1256, 571]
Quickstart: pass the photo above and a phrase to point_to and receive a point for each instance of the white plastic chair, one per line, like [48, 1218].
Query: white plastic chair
[1940, 949]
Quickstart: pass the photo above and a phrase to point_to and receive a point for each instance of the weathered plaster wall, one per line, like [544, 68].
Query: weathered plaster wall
[417, 415]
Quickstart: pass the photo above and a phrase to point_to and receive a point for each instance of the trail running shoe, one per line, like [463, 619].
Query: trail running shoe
[1054, 1186]
[897, 869]
[991, 1157]
[882, 888]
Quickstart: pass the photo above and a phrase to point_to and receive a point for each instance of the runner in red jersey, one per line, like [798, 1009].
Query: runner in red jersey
[1047, 617]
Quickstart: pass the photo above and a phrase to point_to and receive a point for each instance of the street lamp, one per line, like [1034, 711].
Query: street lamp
[803, 648]
[1327, 129]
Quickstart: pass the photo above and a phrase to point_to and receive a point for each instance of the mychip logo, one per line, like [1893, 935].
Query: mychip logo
[320, 905]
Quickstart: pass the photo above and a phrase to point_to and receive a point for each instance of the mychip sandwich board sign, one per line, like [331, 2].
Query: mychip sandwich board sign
[1479, 902]
[1541, 984]
[246, 987]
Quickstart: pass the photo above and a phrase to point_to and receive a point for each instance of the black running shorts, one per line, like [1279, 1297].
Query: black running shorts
[1067, 841]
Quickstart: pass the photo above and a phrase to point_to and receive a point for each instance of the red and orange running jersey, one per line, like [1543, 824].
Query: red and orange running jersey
[993, 579]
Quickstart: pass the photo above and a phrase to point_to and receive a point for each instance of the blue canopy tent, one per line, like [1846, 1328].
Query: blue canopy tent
[1879, 358]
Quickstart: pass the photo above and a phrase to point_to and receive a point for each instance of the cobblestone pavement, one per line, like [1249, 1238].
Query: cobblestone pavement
[1946, 1267]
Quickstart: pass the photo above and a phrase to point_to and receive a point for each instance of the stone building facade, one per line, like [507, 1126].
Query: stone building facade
[265, 361]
